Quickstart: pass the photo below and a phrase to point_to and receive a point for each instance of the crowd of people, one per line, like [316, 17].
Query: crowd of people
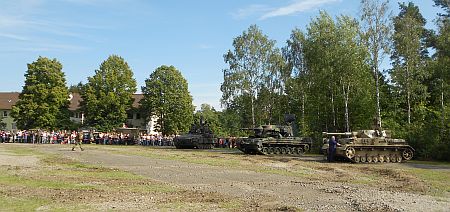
[103, 138]
[156, 140]
[37, 136]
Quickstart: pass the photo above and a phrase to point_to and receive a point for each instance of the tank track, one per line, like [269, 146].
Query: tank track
[374, 155]
[196, 146]
[279, 150]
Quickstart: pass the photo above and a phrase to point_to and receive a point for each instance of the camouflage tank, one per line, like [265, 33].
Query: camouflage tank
[369, 146]
[274, 139]
[199, 137]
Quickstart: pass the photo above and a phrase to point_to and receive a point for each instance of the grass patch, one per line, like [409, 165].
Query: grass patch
[20, 150]
[439, 181]
[232, 205]
[20, 204]
[438, 163]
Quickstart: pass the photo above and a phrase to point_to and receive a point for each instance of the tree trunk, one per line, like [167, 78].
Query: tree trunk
[378, 96]
[253, 110]
[345, 92]
[333, 111]
[442, 111]
[303, 113]
[408, 94]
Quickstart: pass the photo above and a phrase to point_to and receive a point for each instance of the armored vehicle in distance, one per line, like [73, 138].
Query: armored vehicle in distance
[369, 146]
[274, 139]
[199, 137]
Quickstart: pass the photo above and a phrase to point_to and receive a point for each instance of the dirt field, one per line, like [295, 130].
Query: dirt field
[144, 178]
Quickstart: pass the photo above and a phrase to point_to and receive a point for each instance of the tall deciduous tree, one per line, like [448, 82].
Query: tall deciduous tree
[329, 66]
[252, 64]
[166, 96]
[440, 83]
[108, 94]
[409, 56]
[298, 84]
[351, 64]
[43, 102]
[377, 31]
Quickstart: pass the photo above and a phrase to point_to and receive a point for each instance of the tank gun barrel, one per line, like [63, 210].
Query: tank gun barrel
[344, 133]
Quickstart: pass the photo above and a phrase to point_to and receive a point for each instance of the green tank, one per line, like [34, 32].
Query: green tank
[274, 139]
[199, 137]
[369, 146]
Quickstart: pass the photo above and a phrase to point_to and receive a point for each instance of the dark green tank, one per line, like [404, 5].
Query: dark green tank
[199, 137]
[369, 146]
[274, 139]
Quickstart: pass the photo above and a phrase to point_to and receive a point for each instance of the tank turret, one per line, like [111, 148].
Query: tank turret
[199, 136]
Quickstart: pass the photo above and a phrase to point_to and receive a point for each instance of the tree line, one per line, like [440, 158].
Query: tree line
[107, 97]
[330, 76]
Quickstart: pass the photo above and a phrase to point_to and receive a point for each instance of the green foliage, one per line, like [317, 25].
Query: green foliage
[108, 94]
[76, 88]
[167, 97]
[255, 66]
[211, 116]
[409, 58]
[331, 83]
[377, 33]
[43, 102]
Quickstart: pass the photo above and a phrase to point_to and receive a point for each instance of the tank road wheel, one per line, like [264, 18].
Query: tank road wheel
[387, 159]
[357, 159]
[375, 159]
[283, 150]
[363, 159]
[306, 147]
[265, 150]
[392, 158]
[290, 151]
[399, 158]
[299, 151]
[277, 150]
[381, 158]
[369, 159]
[270, 150]
[407, 154]
[350, 152]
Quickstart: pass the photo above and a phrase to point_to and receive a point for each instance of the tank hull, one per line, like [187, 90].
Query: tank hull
[276, 146]
[194, 141]
[371, 150]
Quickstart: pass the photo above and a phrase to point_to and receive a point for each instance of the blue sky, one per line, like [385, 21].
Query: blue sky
[190, 35]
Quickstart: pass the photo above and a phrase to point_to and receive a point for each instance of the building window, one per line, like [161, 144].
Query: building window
[130, 115]
[138, 116]
[5, 113]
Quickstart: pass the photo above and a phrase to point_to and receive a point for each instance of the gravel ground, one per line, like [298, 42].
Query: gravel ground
[261, 191]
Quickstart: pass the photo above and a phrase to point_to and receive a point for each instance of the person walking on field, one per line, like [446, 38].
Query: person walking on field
[78, 141]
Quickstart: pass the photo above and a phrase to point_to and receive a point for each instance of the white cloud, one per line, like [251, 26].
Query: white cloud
[251, 10]
[295, 7]
[13, 36]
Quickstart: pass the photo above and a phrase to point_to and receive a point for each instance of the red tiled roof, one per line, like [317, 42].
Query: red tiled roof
[74, 101]
[137, 98]
[8, 99]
